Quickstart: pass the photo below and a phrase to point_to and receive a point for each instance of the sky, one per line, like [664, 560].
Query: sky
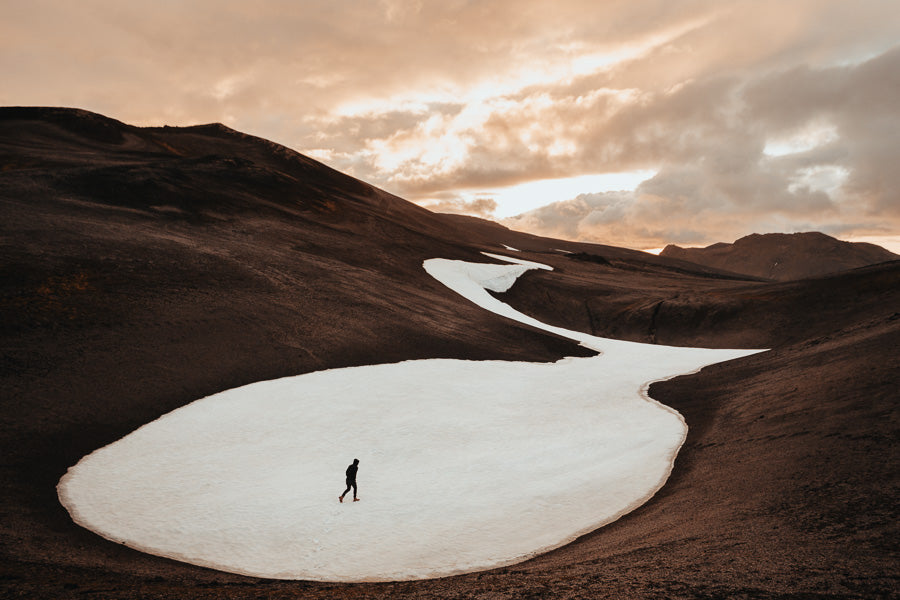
[634, 123]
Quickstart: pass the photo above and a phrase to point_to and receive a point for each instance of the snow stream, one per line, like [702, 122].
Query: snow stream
[464, 465]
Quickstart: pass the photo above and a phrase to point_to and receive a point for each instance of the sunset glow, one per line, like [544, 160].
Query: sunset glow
[707, 120]
[515, 199]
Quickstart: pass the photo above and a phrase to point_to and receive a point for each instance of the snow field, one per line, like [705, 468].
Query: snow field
[464, 465]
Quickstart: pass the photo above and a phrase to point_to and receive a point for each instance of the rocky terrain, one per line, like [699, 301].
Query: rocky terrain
[143, 268]
[784, 256]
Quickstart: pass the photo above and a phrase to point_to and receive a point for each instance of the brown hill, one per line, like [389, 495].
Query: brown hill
[143, 268]
[784, 256]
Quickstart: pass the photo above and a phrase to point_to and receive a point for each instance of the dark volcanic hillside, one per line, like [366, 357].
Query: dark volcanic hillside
[143, 268]
[783, 256]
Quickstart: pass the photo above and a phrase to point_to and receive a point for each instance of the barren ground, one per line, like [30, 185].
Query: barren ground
[143, 269]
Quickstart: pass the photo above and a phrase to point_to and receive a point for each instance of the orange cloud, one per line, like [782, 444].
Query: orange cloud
[430, 100]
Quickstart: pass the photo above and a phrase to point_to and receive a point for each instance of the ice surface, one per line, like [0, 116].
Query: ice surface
[464, 465]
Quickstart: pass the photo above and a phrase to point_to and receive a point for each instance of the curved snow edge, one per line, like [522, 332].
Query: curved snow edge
[446, 271]
[472, 279]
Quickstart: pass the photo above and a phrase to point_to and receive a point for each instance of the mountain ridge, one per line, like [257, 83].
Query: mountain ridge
[784, 256]
[135, 280]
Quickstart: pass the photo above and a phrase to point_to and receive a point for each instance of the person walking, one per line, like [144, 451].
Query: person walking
[351, 480]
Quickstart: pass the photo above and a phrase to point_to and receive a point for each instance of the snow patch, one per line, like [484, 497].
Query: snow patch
[464, 465]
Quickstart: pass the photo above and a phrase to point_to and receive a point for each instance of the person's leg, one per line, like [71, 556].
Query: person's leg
[341, 497]
[354, 491]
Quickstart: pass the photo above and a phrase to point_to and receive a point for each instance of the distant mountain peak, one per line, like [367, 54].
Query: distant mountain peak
[784, 256]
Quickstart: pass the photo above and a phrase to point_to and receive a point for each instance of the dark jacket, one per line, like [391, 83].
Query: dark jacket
[351, 471]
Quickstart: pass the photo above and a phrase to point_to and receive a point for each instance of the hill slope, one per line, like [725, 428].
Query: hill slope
[143, 268]
[783, 256]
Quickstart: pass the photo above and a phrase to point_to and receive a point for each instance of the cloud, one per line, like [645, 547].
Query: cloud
[480, 207]
[445, 100]
[710, 136]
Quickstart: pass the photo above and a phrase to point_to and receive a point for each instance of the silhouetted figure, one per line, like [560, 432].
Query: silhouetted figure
[351, 480]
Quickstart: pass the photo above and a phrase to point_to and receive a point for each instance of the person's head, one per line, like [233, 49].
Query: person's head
[355, 461]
